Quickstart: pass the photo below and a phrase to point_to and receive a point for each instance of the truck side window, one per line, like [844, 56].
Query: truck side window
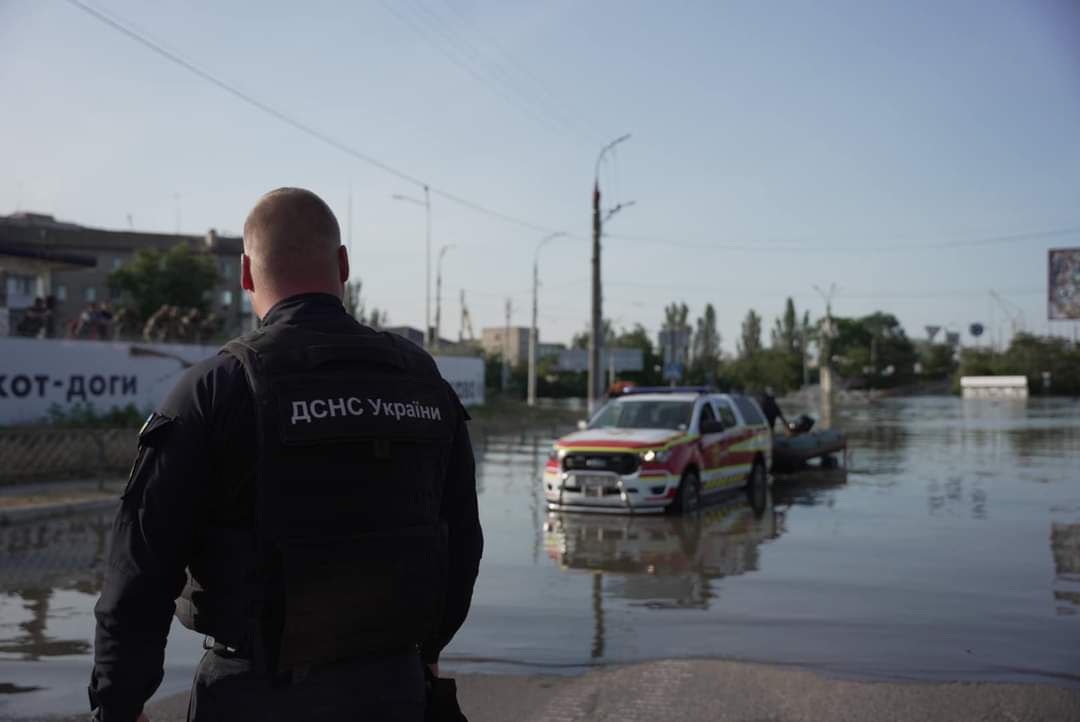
[726, 414]
[706, 413]
[749, 410]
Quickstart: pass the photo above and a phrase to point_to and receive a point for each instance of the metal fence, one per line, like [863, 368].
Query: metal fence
[37, 454]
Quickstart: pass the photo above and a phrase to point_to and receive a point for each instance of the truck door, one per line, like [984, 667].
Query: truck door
[711, 451]
[728, 457]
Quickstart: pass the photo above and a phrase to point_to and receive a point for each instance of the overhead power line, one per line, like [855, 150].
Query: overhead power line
[676, 287]
[442, 36]
[857, 248]
[524, 76]
[125, 29]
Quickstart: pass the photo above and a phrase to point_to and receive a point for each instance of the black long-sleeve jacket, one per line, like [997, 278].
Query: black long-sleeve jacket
[194, 469]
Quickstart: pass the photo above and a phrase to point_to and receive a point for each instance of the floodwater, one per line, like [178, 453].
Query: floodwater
[949, 549]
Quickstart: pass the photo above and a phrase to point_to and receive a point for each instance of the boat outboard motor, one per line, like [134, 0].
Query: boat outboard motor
[801, 425]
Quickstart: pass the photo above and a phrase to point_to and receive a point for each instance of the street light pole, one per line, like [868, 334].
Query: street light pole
[438, 297]
[531, 397]
[825, 357]
[427, 280]
[426, 203]
[596, 340]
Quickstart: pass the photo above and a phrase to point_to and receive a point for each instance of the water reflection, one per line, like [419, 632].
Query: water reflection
[810, 487]
[39, 560]
[1065, 546]
[660, 561]
[949, 549]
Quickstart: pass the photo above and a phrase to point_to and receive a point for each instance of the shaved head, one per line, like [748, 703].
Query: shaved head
[293, 245]
[292, 232]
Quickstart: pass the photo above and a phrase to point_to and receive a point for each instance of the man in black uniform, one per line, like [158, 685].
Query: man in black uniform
[306, 500]
[772, 411]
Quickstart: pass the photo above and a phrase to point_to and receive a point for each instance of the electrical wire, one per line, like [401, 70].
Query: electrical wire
[524, 73]
[466, 60]
[124, 28]
[494, 71]
[861, 248]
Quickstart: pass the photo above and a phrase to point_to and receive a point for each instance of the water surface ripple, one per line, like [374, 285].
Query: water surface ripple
[949, 549]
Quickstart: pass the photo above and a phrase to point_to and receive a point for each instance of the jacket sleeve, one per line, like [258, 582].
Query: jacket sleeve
[162, 512]
[465, 539]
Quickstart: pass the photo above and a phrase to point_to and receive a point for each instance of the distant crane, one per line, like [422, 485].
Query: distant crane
[1012, 311]
[466, 330]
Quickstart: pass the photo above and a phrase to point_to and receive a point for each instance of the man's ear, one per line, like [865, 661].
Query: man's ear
[343, 264]
[246, 281]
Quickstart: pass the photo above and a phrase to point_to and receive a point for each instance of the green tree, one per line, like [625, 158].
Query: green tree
[787, 335]
[155, 277]
[357, 307]
[354, 301]
[676, 316]
[750, 341]
[705, 349]
[938, 361]
[638, 338]
[873, 348]
[581, 340]
[1031, 356]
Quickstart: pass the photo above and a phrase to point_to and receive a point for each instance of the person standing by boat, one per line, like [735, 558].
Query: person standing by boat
[771, 409]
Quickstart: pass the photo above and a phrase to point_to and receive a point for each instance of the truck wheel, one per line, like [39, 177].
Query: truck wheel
[688, 498]
[757, 488]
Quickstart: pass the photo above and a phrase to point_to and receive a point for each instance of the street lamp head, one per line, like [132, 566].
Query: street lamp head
[605, 149]
[408, 199]
[544, 241]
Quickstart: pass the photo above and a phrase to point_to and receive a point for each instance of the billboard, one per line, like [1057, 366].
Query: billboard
[1063, 288]
[38, 373]
[623, 359]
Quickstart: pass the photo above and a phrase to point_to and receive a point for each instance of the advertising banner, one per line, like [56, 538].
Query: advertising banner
[623, 359]
[35, 374]
[1064, 285]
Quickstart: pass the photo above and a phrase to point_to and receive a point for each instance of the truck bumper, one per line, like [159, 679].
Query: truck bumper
[626, 494]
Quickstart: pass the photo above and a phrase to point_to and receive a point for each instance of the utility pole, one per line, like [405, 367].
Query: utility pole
[348, 224]
[426, 203]
[533, 332]
[506, 350]
[596, 330]
[597, 319]
[438, 297]
[466, 321]
[427, 267]
[825, 356]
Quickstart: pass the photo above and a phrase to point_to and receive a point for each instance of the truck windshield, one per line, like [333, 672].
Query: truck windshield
[632, 414]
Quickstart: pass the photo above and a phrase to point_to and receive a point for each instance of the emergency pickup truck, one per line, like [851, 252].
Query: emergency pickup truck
[661, 449]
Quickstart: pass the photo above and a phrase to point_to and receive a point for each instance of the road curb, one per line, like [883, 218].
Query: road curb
[38, 512]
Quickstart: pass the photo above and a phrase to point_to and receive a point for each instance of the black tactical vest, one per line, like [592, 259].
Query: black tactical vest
[348, 557]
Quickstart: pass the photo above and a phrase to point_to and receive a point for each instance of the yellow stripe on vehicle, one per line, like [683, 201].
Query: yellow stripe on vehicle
[629, 449]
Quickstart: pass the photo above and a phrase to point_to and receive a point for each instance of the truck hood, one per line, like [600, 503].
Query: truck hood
[619, 438]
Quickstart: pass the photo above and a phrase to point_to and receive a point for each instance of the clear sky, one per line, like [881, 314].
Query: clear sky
[776, 145]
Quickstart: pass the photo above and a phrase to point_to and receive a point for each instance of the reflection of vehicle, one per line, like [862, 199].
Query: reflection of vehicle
[663, 560]
[656, 449]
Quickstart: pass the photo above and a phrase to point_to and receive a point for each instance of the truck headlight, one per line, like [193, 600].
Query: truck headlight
[653, 455]
[557, 454]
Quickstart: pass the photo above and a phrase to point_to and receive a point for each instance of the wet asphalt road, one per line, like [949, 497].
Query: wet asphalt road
[716, 691]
